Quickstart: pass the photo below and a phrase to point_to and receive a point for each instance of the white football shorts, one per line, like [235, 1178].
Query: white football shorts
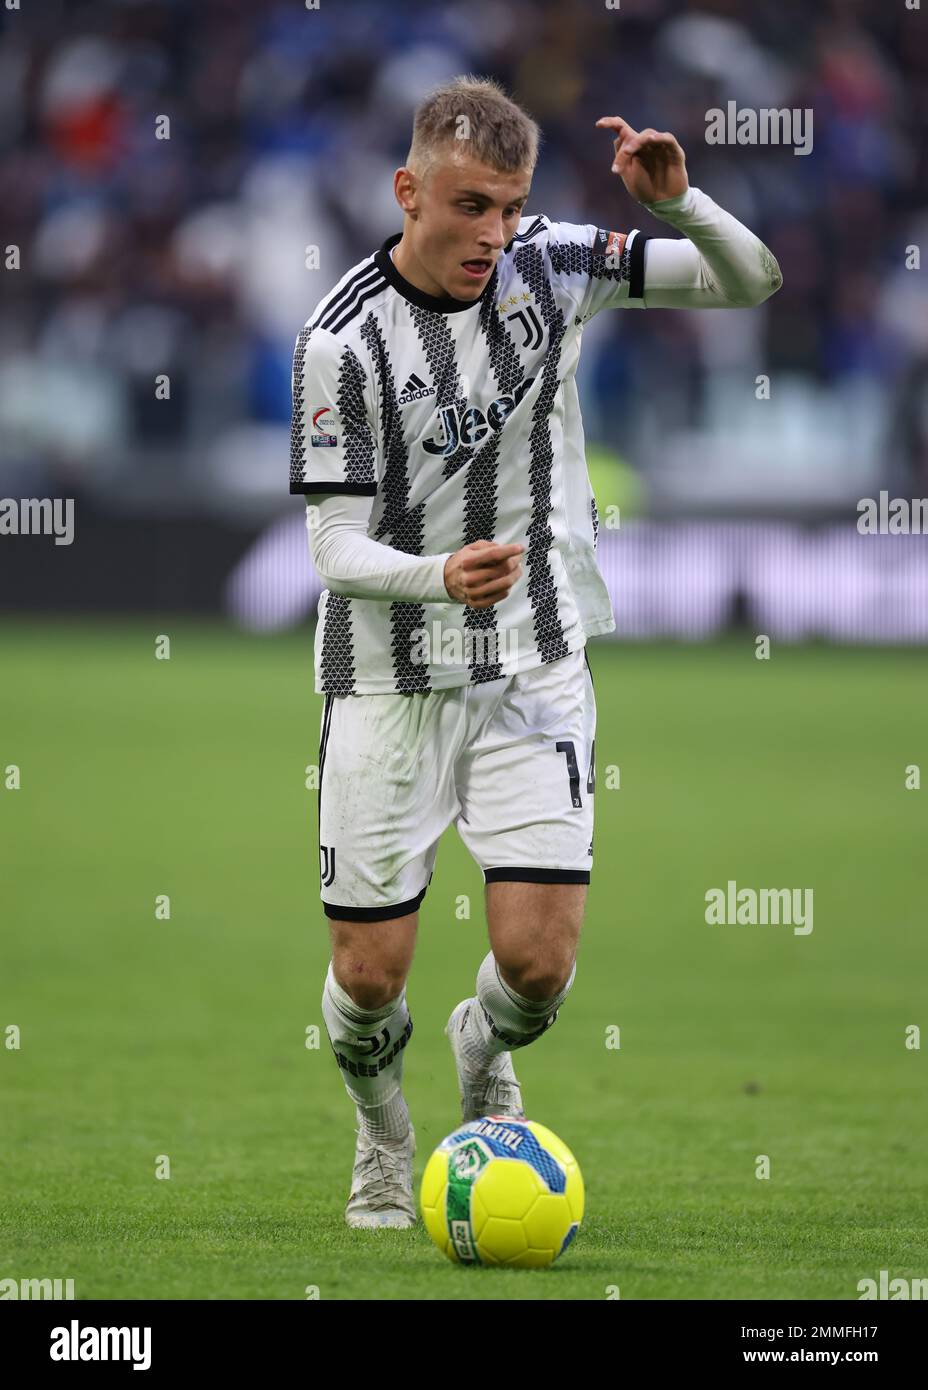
[510, 762]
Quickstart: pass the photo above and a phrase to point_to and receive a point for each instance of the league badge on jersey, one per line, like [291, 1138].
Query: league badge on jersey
[615, 245]
[321, 436]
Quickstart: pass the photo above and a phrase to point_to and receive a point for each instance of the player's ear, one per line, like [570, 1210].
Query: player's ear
[406, 189]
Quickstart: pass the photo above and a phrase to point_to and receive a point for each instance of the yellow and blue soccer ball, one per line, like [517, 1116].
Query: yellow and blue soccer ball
[502, 1192]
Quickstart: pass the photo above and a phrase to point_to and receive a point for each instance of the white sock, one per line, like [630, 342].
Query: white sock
[369, 1046]
[499, 1019]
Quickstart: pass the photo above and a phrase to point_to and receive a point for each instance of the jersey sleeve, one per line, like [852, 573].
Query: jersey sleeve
[353, 564]
[332, 443]
[601, 269]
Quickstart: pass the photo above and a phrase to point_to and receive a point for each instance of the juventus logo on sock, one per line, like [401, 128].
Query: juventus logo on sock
[377, 1043]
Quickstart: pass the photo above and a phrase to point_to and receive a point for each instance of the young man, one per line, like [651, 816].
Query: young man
[437, 438]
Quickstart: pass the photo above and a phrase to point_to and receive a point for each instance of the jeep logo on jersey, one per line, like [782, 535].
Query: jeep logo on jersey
[466, 428]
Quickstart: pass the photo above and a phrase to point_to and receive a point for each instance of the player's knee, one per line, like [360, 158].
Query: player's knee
[539, 980]
[372, 966]
[369, 986]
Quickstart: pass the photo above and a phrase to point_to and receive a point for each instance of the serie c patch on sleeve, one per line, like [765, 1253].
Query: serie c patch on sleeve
[613, 248]
[321, 436]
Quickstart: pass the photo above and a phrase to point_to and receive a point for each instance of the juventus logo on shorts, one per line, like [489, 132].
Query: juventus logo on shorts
[328, 865]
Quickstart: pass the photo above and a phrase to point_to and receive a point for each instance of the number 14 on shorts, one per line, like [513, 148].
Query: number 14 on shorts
[566, 746]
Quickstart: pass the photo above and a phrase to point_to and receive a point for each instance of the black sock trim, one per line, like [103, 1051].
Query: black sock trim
[518, 1039]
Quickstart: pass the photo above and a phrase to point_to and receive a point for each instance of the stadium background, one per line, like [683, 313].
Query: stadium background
[186, 256]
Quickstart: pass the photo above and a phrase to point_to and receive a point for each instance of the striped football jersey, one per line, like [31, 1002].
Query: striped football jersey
[460, 420]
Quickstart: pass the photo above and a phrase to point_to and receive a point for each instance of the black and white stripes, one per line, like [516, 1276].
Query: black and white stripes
[298, 417]
[346, 301]
[488, 445]
[402, 525]
[542, 589]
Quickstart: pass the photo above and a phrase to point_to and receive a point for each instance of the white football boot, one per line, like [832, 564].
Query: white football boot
[495, 1093]
[381, 1184]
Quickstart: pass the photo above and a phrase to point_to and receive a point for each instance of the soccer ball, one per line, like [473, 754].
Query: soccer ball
[502, 1192]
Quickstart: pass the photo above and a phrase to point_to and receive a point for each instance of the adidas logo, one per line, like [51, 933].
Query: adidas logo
[414, 390]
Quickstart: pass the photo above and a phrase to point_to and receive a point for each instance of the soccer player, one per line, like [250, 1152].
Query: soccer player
[438, 441]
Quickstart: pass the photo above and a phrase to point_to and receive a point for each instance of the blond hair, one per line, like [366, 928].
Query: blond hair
[475, 115]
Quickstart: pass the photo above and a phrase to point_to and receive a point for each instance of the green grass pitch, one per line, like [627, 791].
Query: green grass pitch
[186, 1037]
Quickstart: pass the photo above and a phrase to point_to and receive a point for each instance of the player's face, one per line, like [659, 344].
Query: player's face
[466, 212]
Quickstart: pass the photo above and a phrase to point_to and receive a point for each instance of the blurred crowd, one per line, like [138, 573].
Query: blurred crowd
[163, 167]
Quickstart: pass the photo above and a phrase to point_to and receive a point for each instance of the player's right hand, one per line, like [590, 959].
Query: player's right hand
[483, 573]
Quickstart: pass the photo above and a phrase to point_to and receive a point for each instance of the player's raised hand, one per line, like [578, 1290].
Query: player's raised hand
[483, 572]
[651, 163]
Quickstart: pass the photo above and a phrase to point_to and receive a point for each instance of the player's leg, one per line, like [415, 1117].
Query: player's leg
[367, 1018]
[369, 1025]
[527, 792]
[384, 799]
[534, 930]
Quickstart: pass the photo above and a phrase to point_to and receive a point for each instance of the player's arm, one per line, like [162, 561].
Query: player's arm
[334, 465]
[721, 264]
[351, 562]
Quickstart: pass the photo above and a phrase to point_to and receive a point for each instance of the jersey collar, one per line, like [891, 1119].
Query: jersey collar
[438, 303]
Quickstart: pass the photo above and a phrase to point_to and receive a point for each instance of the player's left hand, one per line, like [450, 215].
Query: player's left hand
[651, 162]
